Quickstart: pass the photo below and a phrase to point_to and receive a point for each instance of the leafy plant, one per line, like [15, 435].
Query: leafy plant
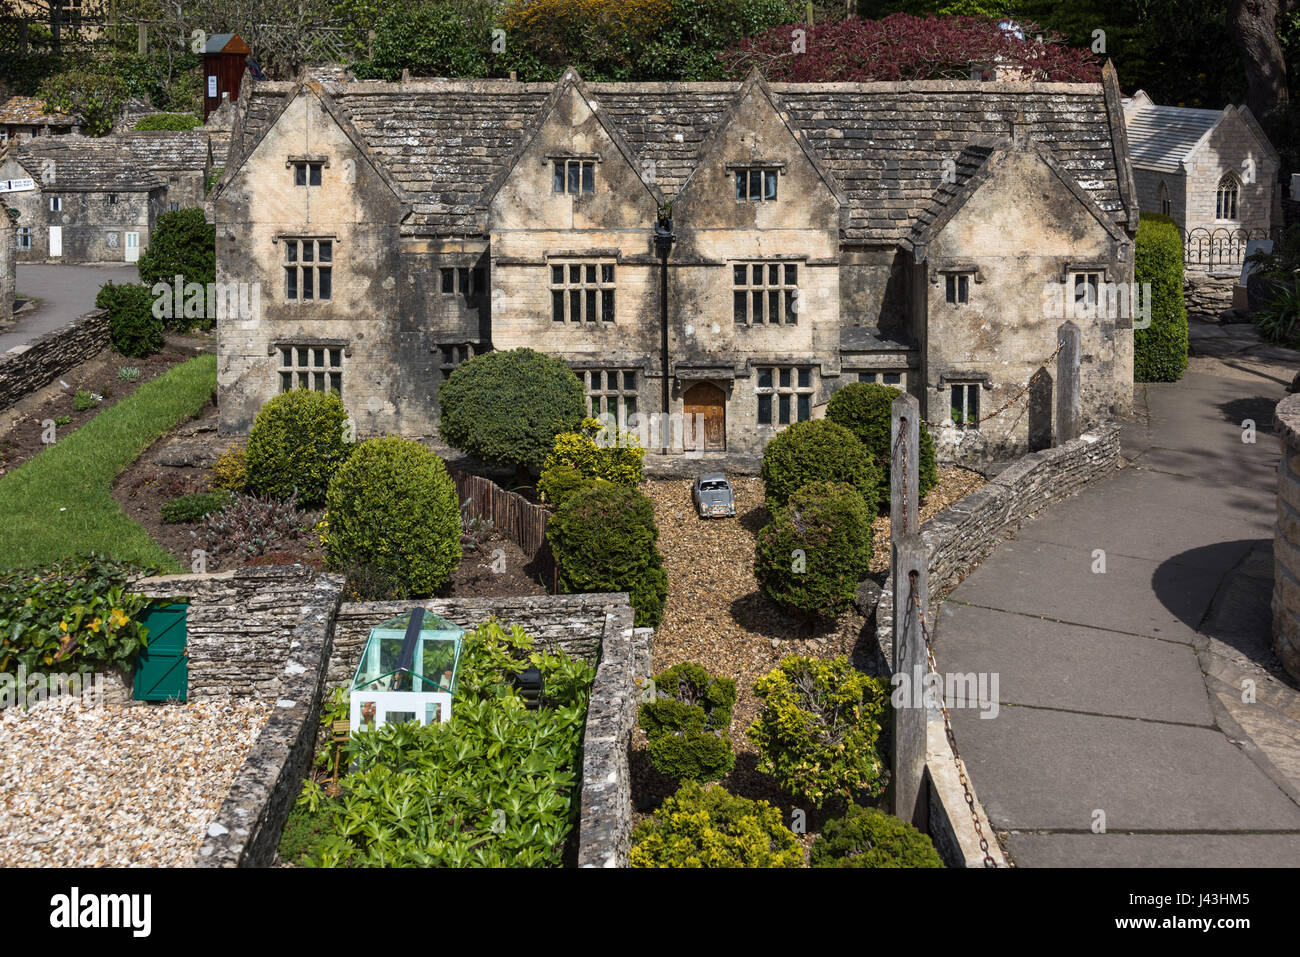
[817, 451]
[864, 408]
[133, 328]
[595, 452]
[128, 373]
[296, 444]
[868, 837]
[247, 526]
[686, 723]
[818, 728]
[182, 244]
[603, 539]
[392, 506]
[83, 400]
[78, 615]
[475, 530]
[1160, 350]
[63, 420]
[1277, 319]
[194, 508]
[709, 827]
[95, 96]
[230, 471]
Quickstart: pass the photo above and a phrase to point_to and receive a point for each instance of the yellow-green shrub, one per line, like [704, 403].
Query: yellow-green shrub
[230, 471]
[594, 453]
[709, 827]
[297, 442]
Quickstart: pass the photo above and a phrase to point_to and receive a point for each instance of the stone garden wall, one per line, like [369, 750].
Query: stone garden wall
[24, 369]
[1286, 539]
[956, 541]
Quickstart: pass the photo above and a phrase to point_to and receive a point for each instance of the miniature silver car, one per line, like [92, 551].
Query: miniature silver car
[713, 496]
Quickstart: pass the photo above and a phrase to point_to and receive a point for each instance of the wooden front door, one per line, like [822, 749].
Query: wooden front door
[708, 401]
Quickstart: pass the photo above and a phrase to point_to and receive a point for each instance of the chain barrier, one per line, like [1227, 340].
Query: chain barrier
[947, 726]
[900, 450]
[1018, 396]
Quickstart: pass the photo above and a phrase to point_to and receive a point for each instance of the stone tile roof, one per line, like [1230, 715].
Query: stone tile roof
[165, 151]
[84, 164]
[445, 142]
[1162, 137]
[29, 110]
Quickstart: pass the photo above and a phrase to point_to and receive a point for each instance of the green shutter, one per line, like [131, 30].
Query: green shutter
[161, 671]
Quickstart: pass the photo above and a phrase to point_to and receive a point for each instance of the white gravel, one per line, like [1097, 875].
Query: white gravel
[117, 786]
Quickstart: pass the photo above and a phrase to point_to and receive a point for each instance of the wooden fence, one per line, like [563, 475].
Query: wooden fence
[511, 515]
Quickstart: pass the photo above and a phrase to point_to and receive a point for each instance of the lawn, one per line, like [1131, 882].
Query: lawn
[58, 504]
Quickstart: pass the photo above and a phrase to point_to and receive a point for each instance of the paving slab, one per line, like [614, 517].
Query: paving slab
[1155, 850]
[1056, 581]
[1036, 769]
[1053, 665]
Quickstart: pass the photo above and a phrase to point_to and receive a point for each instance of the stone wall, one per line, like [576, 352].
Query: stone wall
[1208, 295]
[24, 369]
[241, 627]
[957, 540]
[1286, 539]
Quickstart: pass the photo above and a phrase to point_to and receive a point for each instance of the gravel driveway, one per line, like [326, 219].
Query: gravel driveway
[117, 786]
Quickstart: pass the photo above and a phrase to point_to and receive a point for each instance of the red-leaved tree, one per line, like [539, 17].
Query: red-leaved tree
[904, 47]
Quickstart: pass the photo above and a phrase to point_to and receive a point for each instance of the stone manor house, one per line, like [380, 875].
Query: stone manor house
[903, 233]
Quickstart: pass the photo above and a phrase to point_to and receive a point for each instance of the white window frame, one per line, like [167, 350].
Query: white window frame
[591, 292]
[778, 286]
[56, 204]
[786, 394]
[24, 237]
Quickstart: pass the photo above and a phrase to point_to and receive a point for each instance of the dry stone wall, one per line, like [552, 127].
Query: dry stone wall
[1286, 539]
[24, 369]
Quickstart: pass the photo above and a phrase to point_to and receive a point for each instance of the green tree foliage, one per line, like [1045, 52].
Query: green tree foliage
[594, 453]
[687, 721]
[160, 122]
[506, 408]
[96, 97]
[818, 728]
[864, 409]
[133, 328]
[1160, 351]
[817, 451]
[604, 540]
[817, 548]
[296, 444]
[868, 837]
[709, 827]
[183, 244]
[392, 508]
[436, 39]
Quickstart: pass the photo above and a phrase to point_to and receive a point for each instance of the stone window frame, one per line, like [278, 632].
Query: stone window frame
[877, 375]
[452, 354]
[785, 288]
[173, 207]
[1228, 188]
[1163, 199]
[562, 177]
[768, 173]
[593, 290]
[298, 361]
[112, 199]
[296, 267]
[971, 385]
[311, 167]
[24, 238]
[468, 282]
[783, 382]
[623, 394]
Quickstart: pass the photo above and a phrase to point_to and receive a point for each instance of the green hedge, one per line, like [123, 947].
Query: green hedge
[133, 328]
[817, 451]
[296, 444]
[864, 408]
[171, 122]
[1160, 351]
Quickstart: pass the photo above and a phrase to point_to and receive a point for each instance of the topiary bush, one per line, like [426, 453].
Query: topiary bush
[817, 451]
[686, 723]
[297, 442]
[864, 409]
[392, 508]
[593, 453]
[132, 327]
[817, 548]
[506, 408]
[1160, 351]
[709, 827]
[603, 539]
[868, 837]
[818, 728]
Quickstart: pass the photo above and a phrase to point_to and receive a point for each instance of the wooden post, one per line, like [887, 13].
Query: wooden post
[1068, 407]
[141, 39]
[22, 37]
[904, 459]
[911, 665]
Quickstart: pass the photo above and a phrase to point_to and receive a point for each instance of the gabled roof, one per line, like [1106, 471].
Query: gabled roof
[85, 164]
[1163, 138]
[167, 152]
[446, 141]
[29, 111]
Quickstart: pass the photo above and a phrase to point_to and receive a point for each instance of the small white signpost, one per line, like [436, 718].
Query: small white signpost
[16, 185]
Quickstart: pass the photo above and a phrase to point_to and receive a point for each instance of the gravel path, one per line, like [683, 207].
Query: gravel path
[117, 786]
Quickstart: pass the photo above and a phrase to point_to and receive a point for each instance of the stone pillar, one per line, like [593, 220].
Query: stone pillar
[1286, 539]
[8, 262]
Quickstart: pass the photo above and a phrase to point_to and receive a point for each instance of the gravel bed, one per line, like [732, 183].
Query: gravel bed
[117, 786]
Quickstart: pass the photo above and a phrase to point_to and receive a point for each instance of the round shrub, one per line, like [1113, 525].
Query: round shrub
[817, 548]
[817, 451]
[709, 827]
[868, 837]
[603, 539]
[864, 409]
[560, 482]
[818, 727]
[230, 471]
[506, 408]
[392, 507]
[296, 444]
[132, 327]
[1160, 351]
[686, 723]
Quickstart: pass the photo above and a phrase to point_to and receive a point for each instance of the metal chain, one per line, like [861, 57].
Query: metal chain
[900, 450]
[947, 726]
[1015, 398]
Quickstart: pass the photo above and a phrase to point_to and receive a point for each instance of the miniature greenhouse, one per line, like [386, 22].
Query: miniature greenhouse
[408, 672]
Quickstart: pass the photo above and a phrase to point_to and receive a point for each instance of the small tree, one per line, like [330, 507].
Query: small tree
[297, 442]
[506, 408]
[818, 728]
[95, 96]
[864, 408]
[1160, 351]
[868, 837]
[182, 244]
[132, 327]
[603, 539]
[817, 451]
[817, 548]
[436, 39]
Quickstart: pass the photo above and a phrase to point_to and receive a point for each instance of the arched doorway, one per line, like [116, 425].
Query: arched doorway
[708, 401]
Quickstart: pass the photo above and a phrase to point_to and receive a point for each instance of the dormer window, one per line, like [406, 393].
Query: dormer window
[575, 176]
[306, 173]
[756, 185]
